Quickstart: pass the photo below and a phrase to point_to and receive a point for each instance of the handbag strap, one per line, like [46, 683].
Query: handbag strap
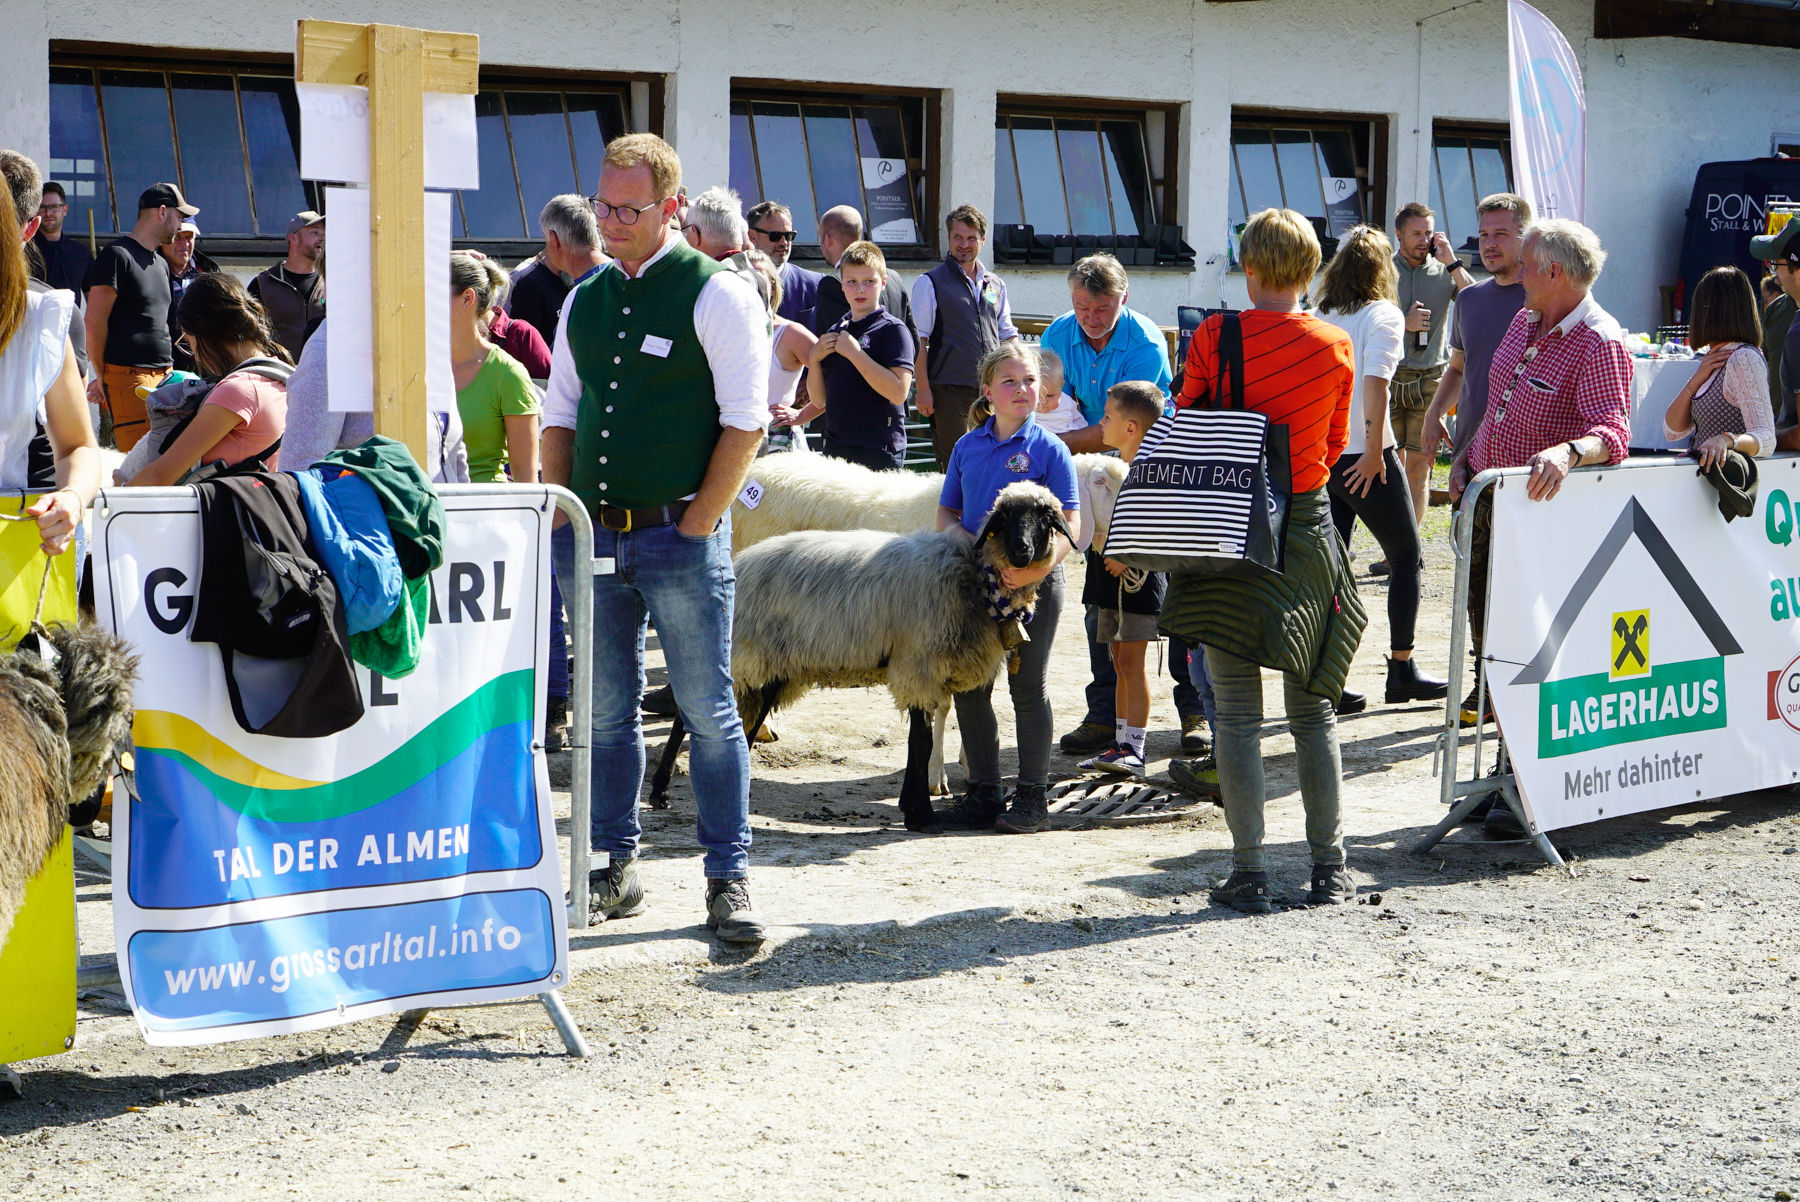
[1230, 357]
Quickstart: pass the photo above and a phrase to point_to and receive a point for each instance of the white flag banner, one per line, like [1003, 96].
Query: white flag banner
[1549, 115]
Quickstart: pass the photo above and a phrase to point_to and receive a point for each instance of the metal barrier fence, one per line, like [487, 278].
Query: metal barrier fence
[105, 971]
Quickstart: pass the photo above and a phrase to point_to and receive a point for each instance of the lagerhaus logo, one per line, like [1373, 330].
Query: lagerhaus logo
[1652, 687]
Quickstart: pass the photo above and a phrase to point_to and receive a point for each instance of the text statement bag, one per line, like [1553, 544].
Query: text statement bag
[1210, 489]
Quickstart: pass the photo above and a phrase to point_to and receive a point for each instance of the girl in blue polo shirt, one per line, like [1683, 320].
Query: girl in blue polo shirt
[1005, 445]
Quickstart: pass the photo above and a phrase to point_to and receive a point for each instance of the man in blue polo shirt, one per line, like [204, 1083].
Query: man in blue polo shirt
[1102, 342]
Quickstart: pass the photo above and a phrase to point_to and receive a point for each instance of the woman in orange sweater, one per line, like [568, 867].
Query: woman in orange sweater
[1306, 622]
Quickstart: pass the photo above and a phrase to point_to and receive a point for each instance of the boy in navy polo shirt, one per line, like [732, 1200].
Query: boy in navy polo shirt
[862, 369]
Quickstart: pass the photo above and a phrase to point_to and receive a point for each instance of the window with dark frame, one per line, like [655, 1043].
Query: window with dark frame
[1068, 174]
[814, 150]
[1468, 162]
[1325, 167]
[229, 136]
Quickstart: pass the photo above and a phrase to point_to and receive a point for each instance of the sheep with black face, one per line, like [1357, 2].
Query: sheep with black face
[841, 609]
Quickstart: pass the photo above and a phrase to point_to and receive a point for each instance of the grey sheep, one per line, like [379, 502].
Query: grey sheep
[844, 609]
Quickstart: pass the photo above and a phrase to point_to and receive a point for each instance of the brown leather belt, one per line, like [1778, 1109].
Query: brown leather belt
[624, 521]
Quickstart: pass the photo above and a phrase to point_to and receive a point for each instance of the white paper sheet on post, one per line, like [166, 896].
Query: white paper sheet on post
[334, 136]
[350, 354]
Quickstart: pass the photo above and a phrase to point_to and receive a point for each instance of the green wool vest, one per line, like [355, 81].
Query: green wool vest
[648, 421]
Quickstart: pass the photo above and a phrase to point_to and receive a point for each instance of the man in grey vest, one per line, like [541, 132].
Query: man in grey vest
[657, 403]
[962, 313]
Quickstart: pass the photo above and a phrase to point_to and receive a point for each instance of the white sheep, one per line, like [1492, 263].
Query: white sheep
[842, 609]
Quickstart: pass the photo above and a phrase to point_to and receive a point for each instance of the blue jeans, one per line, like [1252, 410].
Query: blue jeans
[688, 586]
[558, 686]
[1193, 687]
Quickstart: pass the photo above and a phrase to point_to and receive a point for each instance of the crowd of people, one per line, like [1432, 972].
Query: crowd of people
[659, 343]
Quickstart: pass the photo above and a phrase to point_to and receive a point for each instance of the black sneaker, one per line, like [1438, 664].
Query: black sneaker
[556, 725]
[1086, 739]
[1331, 885]
[1245, 892]
[615, 891]
[659, 702]
[975, 810]
[1197, 778]
[728, 911]
[1029, 810]
[1502, 823]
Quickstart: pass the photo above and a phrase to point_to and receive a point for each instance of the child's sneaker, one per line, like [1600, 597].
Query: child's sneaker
[1119, 758]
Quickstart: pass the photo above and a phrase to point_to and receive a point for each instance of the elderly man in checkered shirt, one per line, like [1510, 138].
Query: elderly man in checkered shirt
[1559, 392]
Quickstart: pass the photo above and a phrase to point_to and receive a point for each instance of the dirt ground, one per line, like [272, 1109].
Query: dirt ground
[1046, 1016]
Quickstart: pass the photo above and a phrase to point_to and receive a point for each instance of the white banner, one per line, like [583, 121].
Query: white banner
[267, 885]
[350, 351]
[1643, 651]
[1549, 115]
[334, 136]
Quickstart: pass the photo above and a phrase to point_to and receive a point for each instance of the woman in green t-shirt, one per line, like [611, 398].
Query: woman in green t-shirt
[498, 402]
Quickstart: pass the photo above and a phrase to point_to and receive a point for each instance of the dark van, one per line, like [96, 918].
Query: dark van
[1730, 206]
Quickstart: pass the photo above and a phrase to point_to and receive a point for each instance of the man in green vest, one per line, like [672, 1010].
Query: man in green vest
[657, 405]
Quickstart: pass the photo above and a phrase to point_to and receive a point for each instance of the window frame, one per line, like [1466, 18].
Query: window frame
[1368, 132]
[1466, 131]
[97, 57]
[1163, 188]
[926, 154]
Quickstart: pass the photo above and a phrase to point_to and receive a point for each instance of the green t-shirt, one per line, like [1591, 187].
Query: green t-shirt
[501, 389]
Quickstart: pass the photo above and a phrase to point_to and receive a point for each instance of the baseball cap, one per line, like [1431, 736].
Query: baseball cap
[303, 219]
[191, 228]
[157, 195]
[1783, 246]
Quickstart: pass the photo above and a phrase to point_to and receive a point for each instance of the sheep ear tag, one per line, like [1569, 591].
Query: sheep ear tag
[37, 642]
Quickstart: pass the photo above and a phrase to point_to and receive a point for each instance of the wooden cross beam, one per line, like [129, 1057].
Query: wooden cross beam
[398, 65]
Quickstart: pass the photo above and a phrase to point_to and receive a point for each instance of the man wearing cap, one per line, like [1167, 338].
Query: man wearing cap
[128, 299]
[186, 264]
[1782, 249]
[293, 292]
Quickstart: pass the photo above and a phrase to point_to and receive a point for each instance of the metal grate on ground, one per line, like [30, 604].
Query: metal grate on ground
[1089, 802]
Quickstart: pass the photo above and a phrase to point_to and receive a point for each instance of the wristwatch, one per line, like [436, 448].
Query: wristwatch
[1575, 451]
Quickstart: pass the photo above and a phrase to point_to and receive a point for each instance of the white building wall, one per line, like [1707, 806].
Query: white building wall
[1658, 108]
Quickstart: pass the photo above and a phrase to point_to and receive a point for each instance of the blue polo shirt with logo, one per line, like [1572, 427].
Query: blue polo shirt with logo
[981, 465]
[1136, 351]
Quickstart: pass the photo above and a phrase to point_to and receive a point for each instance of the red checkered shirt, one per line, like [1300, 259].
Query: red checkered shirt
[1576, 383]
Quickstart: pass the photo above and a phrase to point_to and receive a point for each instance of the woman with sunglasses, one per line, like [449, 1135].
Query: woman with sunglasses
[244, 414]
[39, 382]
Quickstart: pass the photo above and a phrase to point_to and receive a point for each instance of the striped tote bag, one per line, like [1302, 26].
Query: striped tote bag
[1210, 488]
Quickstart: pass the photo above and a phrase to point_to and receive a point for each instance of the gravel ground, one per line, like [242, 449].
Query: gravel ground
[1049, 1016]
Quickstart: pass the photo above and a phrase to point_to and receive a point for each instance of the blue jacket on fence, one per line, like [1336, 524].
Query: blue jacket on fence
[350, 532]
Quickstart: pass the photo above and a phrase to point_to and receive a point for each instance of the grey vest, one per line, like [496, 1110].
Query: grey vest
[966, 328]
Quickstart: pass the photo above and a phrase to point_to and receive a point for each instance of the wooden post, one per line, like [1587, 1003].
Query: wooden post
[398, 65]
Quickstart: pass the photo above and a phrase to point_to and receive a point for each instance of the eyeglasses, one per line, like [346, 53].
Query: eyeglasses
[47, 207]
[777, 235]
[623, 214]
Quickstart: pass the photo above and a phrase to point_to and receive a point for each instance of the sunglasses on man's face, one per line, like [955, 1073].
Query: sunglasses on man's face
[777, 235]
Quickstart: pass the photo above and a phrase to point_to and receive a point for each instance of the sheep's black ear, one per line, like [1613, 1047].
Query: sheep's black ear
[1062, 524]
[983, 530]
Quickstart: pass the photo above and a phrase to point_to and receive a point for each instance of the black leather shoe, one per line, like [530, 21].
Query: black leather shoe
[1352, 702]
[1406, 683]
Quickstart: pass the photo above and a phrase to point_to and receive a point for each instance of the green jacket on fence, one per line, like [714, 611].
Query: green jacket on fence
[1307, 621]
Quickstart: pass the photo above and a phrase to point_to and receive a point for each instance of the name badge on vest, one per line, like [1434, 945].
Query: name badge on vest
[660, 347]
